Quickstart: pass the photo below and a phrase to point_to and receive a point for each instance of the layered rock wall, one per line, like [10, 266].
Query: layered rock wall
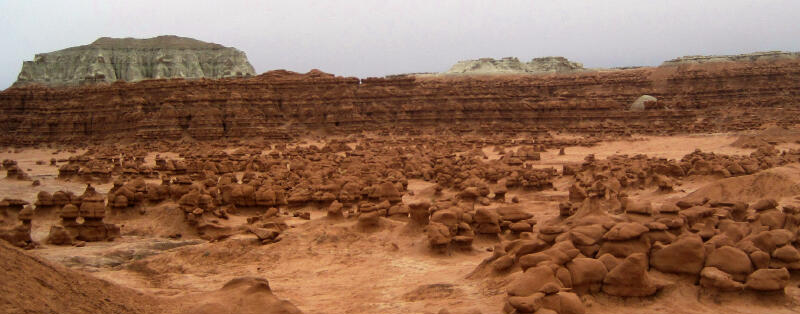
[279, 104]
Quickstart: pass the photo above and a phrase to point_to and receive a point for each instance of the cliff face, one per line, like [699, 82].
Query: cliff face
[511, 65]
[113, 59]
[280, 104]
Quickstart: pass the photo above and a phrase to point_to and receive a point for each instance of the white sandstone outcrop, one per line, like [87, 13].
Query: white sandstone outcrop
[128, 59]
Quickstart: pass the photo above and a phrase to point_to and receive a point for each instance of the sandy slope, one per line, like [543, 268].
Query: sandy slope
[30, 285]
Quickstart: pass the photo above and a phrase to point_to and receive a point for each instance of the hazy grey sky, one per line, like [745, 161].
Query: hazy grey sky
[374, 38]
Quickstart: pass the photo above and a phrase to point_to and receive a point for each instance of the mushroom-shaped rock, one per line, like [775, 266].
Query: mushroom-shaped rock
[69, 211]
[265, 197]
[127, 192]
[610, 261]
[768, 279]
[487, 220]
[625, 231]
[549, 233]
[577, 193]
[271, 212]
[26, 214]
[772, 218]
[568, 303]
[730, 260]
[521, 226]
[587, 234]
[786, 253]
[550, 255]
[527, 304]
[668, 208]
[713, 278]
[189, 201]
[368, 220]
[764, 204]
[59, 236]
[550, 288]
[630, 278]
[532, 280]
[119, 201]
[760, 259]
[438, 235]
[513, 213]
[335, 210]
[447, 217]
[463, 242]
[768, 241]
[93, 206]
[586, 271]
[500, 192]
[638, 207]
[685, 255]
[486, 216]
[386, 191]
[469, 193]
[529, 246]
[61, 198]
[419, 212]
[503, 263]
[398, 210]
[265, 234]
[44, 199]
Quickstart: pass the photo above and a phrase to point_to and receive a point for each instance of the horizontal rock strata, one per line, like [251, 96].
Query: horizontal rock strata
[282, 104]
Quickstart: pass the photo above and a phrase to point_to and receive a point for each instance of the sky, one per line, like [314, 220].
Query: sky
[375, 38]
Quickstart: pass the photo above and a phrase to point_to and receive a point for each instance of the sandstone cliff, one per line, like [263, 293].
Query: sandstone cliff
[126, 59]
[511, 65]
[281, 104]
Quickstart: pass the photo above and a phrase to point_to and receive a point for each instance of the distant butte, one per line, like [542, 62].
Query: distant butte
[511, 65]
[109, 60]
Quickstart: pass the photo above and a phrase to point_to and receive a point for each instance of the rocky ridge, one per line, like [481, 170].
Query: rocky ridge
[127, 59]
